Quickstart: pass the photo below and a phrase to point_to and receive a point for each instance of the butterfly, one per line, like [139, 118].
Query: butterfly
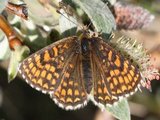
[77, 69]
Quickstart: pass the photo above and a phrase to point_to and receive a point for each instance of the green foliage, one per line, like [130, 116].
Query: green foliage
[40, 15]
[68, 25]
[120, 110]
[5, 51]
[17, 56]
[99, 14]
[2, 5]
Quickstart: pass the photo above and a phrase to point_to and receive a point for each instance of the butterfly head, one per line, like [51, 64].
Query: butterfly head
[83, 34]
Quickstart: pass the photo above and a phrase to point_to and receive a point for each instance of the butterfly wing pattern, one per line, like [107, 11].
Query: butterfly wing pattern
[76, 69]
[43, 69]
[114, 77]
[71, 93]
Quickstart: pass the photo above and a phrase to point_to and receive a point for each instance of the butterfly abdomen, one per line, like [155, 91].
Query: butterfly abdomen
[86, 64]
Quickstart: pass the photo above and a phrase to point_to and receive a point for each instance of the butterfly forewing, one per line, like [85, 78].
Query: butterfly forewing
[43, 70]
[116, 75]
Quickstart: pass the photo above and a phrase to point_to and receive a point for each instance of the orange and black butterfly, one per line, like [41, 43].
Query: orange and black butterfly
[81, 68]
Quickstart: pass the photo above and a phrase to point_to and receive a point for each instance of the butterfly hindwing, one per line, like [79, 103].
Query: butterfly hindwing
[71, 93]
[101, 90]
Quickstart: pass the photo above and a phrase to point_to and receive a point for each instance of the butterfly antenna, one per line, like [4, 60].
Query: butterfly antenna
[89, 25]
[58, 11]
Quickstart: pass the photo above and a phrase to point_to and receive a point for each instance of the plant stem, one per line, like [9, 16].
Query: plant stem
[10, 33]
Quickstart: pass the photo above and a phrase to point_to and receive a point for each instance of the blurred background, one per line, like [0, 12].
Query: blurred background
[18, 101]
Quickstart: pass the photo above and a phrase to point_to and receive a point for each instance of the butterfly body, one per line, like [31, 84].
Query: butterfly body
[77, 69]
[86, 63]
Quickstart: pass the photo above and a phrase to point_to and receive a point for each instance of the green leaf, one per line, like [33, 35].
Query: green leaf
[5, 50]
[120, 110]
[112, 2]
[21, 52]
[40, 15]
[32, 36]
[99, 14]
[3, 5]
[68, 25]
[16, 57]
[13, 65]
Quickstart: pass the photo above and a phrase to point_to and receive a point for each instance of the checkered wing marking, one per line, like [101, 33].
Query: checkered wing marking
[102, 93]
[43, 69]
[118, 75]
[71, 93]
